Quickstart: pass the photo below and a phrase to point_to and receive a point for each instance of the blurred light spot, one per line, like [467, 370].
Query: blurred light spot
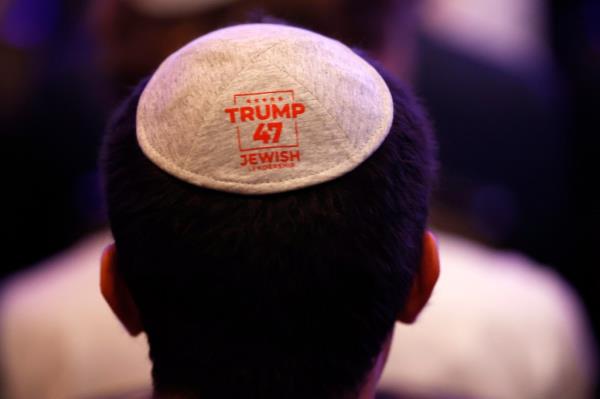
[29, 23]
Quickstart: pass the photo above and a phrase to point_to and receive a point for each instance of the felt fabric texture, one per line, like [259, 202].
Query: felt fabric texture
[262, 108]
[175, 8]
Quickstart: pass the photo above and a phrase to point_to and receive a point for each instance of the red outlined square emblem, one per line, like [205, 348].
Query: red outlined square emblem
[265, 120]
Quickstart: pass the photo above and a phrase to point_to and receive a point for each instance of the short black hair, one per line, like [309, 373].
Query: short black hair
[287, 295]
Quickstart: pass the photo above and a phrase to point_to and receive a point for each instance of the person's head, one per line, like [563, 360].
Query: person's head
[281, 276]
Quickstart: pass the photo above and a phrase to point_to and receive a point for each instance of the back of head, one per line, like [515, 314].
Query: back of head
[278, 281]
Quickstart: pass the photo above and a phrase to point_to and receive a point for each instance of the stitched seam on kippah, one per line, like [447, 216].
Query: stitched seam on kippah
[348, 155]
[383, 88]
[231, 81]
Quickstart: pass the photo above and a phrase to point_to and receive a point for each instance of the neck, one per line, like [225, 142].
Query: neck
[367, 390]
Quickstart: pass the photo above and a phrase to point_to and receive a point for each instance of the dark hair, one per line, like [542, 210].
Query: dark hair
[288, 295]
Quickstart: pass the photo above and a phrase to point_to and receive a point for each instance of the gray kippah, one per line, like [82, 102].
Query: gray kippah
[261, 108]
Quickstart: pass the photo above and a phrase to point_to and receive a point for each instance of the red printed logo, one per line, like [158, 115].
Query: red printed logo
[266, 121]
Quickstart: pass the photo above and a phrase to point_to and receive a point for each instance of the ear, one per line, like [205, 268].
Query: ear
[424, 281]
[115, 292]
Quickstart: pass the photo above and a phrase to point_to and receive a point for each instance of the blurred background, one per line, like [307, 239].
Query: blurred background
[512, 87]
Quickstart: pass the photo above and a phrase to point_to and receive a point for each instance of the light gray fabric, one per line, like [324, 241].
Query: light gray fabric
[323, 110]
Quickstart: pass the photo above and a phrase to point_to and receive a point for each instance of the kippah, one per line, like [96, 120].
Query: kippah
[262, 108]
[174, 8]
